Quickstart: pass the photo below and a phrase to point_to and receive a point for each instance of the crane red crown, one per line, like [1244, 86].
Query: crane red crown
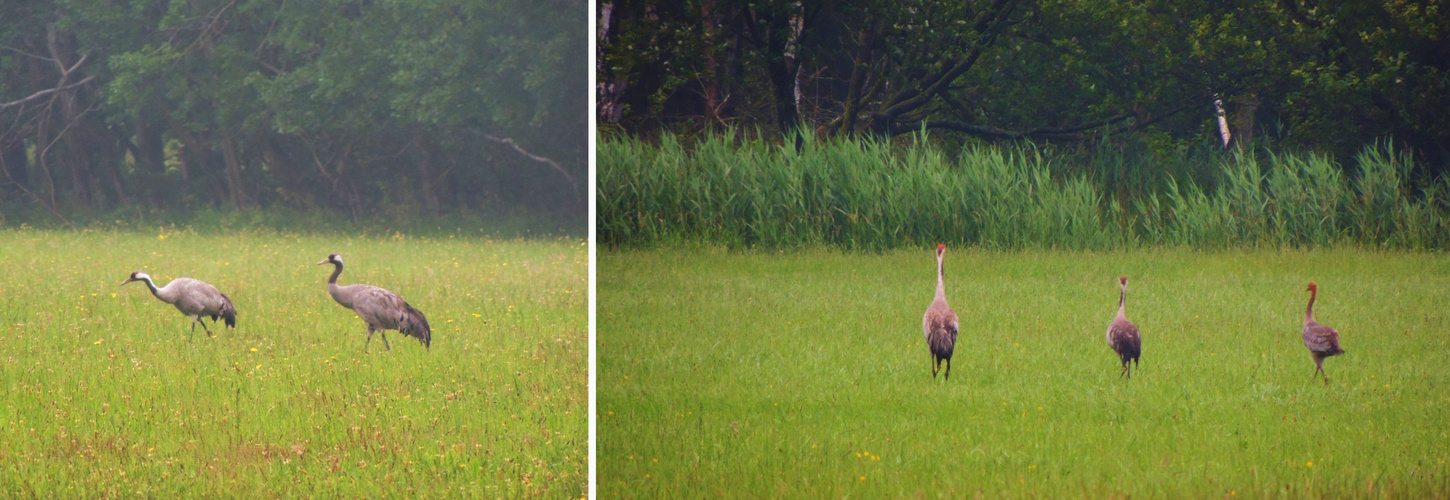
[941, 246]
[1312, 287]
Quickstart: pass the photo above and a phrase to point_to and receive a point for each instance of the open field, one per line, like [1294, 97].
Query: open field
[107, 394]
[805, 374]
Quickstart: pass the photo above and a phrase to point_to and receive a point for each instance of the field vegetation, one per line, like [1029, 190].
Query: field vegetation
[107, 393]
[804, 373]
[739, 192]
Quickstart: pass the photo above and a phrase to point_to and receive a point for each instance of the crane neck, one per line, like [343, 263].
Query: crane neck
[337, 271]
[1309, 312]
[152, 285]
[941, 289]
[1122, 299]
[161, 293]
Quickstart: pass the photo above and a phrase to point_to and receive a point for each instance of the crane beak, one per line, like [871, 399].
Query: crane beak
[324, 261]
[128, 280]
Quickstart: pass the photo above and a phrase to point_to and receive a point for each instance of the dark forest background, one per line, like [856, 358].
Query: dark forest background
[1327, 76]
[354, 110]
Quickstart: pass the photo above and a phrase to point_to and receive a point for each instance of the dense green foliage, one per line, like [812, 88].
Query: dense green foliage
[1326, 75]
[108, 395]
[402, 109]
[871, 195]
[747, 375]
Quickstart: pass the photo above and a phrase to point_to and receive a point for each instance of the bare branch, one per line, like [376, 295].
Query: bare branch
[24, 53]
[1072, 133]
[510, 142]
[45, 92]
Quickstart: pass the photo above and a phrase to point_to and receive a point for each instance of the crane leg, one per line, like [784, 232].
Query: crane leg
[948, 375]
[935, 365]
[370, 339]
[385, 339]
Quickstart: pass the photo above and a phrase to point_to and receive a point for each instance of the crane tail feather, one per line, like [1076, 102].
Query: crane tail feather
[415, 325]
[229, 313]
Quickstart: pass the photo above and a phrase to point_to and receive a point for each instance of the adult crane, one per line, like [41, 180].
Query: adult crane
[1123, 334]
[381, 309]
[194, 298]
[939, 324]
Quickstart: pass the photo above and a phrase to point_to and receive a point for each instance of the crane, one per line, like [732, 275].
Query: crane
[194, 298]
[939, 324]
[1123, 334]
[1321, 340]
[381, 309]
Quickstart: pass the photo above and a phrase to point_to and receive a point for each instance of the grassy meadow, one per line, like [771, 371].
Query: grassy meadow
[108, 394]
[805, 374]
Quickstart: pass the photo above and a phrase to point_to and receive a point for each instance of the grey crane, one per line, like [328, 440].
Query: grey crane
[939, 324]
[193, 298]
[1321, 340]
[1123, 334]
[381, 309]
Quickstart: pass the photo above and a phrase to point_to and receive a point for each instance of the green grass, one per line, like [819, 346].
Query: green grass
[805, 374]
[749, 193]
[106, 393]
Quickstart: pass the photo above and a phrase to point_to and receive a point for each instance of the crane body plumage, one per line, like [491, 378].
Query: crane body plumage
[194, 298]
[381, 309]
[1123, 334]
[1322, 341]
[939, 325]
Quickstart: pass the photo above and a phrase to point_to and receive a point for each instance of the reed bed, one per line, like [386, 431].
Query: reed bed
[747, 193]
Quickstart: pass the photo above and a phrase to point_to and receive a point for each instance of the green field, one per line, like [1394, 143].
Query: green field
[107, 393]
[805, 374]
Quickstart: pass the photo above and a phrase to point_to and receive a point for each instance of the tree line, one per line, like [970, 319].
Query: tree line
[355, 106]
[1330, 76]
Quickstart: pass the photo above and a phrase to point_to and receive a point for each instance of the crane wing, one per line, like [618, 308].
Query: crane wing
[1123, 338]
[1321, 339]
[388, 310]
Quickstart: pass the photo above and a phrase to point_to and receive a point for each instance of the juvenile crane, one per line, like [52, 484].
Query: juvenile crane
[193, 298]
[1123, 334]
[1321, 340]
[939, 324]
[382, 310]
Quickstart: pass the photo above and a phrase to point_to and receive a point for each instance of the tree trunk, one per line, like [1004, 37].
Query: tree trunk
[16, 163]
[425, 179]
[1244, 121]
[150, 159]
[780, 37]
[1223, 130]
[610, 89]
[709, 82]
[236, 190]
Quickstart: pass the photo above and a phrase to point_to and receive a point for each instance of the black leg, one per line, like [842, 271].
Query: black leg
[948, 376]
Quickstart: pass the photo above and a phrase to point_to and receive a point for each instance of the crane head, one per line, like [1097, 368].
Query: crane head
[1123, 280]
[331, 259]
[1312, 287]
[940, 249]
[136, 276]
